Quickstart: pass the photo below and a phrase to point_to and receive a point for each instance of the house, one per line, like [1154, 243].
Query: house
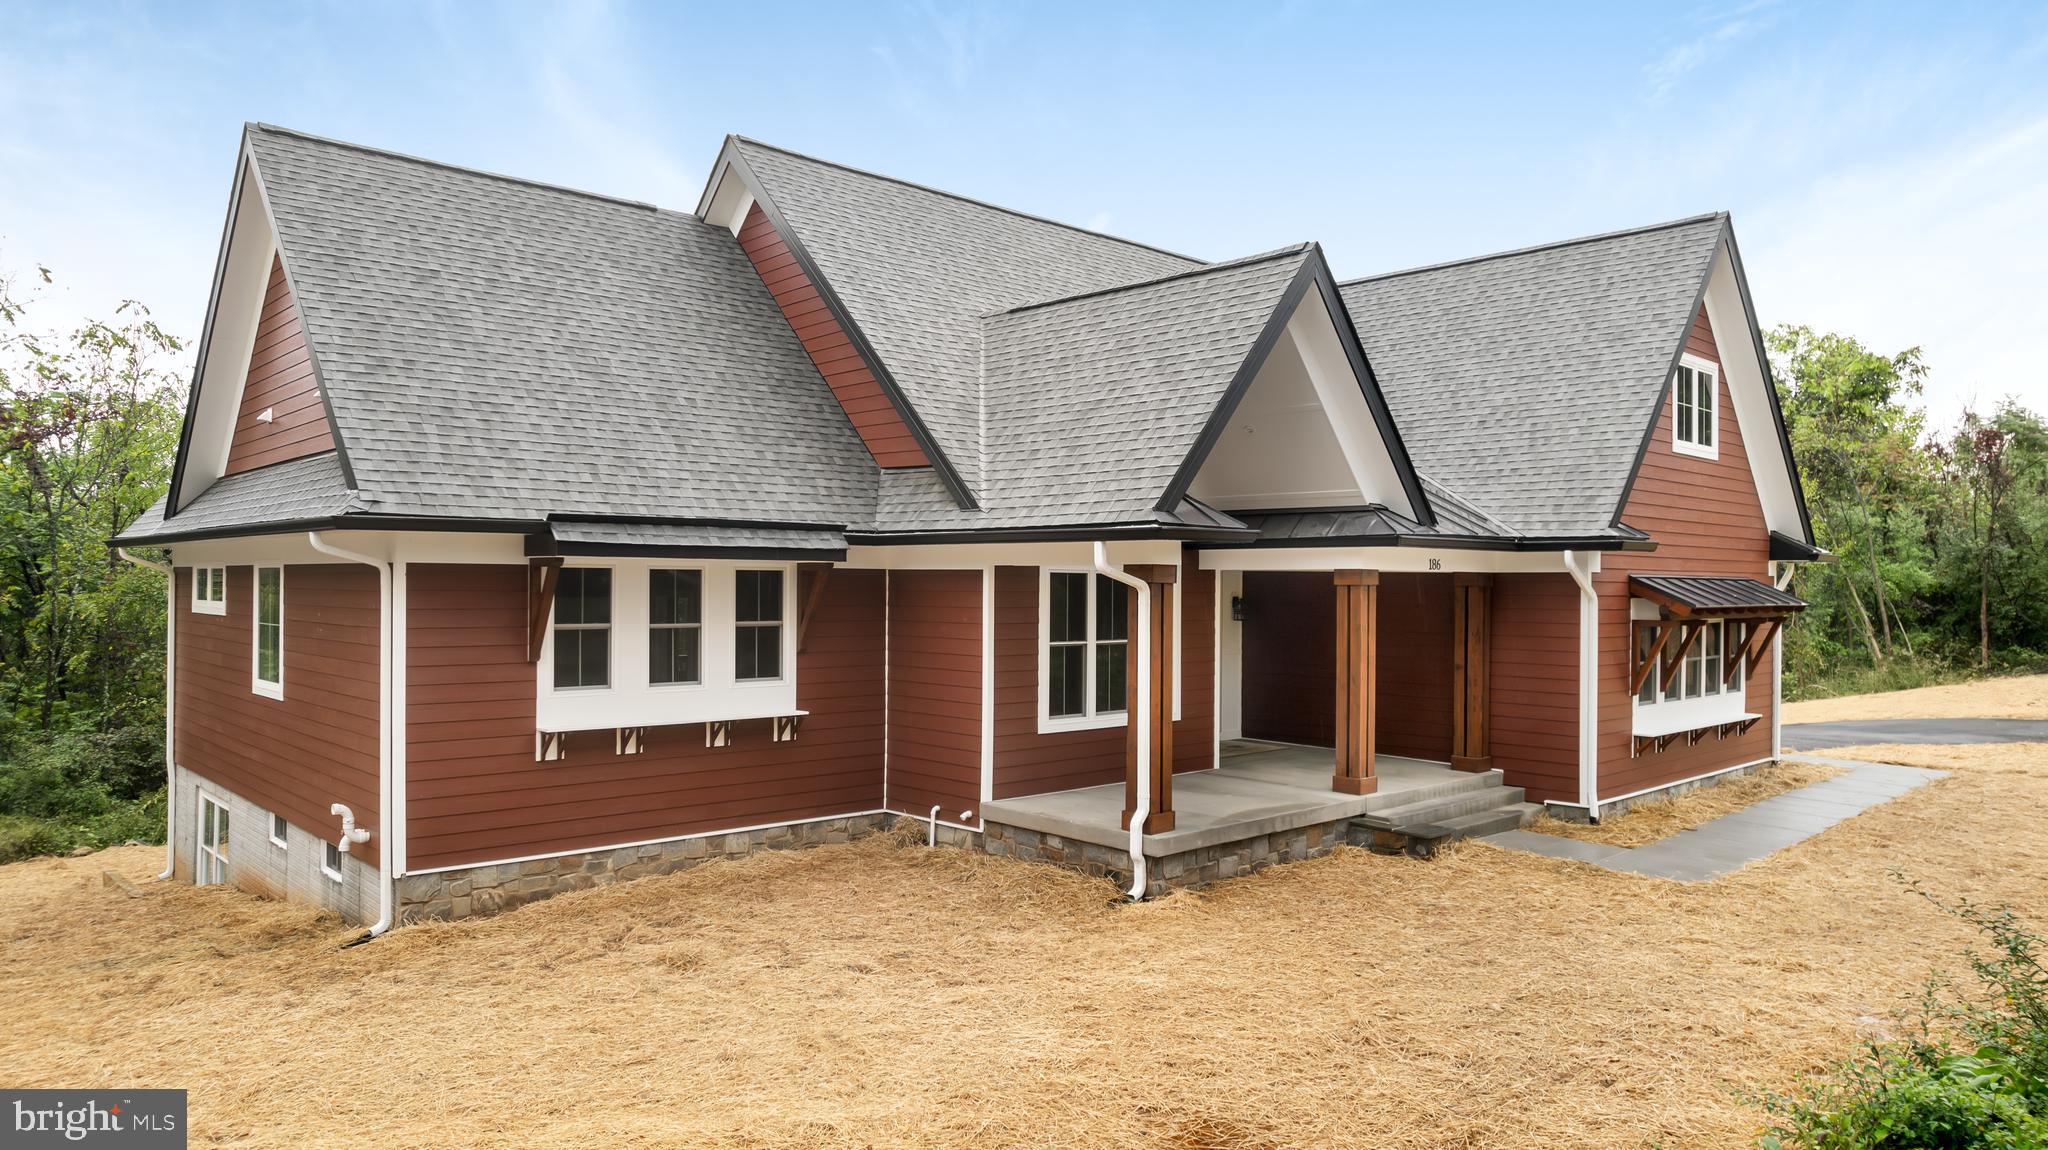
[523, 539]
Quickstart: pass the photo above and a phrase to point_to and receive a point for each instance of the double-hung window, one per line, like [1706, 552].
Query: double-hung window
[583, 627]
[268, 677]
[1695, 403]
[210, 590]
[1087, 646]
[757, 625]
[675, 622]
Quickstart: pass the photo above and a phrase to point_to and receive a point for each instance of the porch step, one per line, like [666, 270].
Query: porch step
[1443, 809]
[1459, 784]
[1508, 818]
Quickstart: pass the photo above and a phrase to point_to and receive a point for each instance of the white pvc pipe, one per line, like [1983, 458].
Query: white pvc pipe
[387, 883]
[1589, 683]
[170, 701]
[932, 839]
[1144, 661]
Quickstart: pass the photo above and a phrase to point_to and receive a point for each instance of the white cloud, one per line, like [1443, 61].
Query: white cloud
[1727, 28]
[1943, 249]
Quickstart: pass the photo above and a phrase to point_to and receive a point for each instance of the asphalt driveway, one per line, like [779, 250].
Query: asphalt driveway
[1861, 732]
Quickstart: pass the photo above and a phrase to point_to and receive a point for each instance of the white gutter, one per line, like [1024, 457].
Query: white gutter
[1783, 580]
[1144, 791]
[170, 702]
[387, 882]
[1589, 679]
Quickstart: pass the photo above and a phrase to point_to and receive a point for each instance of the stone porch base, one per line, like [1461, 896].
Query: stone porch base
[488, 889]
[1189, 869]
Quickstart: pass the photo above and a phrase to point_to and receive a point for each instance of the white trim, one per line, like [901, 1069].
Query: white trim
[202, 849]
[1718, 771]
[1779, 579]
[1744, 375]
[277, 840]
[1088, 719]
[209, 606]
[1582, 566]
[395, 812]
[988, 683]
[887, 684]
[630, 698]
[583, 850]
[269, 689]
[1710, 371]
[1423, 560]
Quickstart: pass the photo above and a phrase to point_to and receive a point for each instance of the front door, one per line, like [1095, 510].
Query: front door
[1290, 657]
[212, 860]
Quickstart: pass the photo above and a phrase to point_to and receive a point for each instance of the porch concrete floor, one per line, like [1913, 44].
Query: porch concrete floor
[1260, 788]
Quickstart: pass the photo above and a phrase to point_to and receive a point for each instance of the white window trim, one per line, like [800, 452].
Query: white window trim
[332, 872]
[257, 683]
[1712, 372]
[632, 699]
[703, 582]
[1089, 721]
[787, 624]
[609, 627]
[276, 839]
[1672, 711]
[209, 606]
[201, 850]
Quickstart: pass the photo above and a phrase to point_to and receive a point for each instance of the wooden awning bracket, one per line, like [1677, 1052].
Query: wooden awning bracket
[818, 574]
[543, 576]
[718, 733]
[1692, 635]
[1648, 659]
[550, 746]
[1761, 645]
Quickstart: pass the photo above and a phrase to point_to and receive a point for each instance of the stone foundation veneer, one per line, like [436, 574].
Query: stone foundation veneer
[1188, 869]
[488, 889]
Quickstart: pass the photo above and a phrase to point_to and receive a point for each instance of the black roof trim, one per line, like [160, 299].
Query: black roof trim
[220, 272]
[542, 544]
[1699, 297]
[351, 521]
[690, 521]
[941, 465]
[1785, 549]
[1314, 273]
[1108, 531]
[1763, 359]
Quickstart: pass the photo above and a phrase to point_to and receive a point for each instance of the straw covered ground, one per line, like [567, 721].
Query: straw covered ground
[1645, 823]
[2005, 697]
[879, 994]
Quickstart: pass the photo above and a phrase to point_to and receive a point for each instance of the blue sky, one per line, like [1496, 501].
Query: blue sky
[1887, 166]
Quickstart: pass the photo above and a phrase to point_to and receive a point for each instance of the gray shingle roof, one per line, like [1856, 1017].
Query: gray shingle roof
[1455, 519]
[299, 491]
[501, 349]
[918, 269]
[1527, 380]
[680, 537]
[1099, 398]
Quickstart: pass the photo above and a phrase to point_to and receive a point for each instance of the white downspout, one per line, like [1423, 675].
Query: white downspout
[170, 702]
[1589, 682]
[1784, 579]
[386, 881]
[1142, 717]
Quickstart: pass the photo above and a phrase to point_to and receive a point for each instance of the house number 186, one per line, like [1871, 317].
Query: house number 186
[1436, 565]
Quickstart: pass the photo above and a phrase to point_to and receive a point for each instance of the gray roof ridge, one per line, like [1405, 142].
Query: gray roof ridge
[1534, 248]
[1190, 273]
[485, 173]
[965, 199]
[1466, 503]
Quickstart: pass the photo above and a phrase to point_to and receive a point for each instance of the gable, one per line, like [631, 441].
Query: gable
[281, 415]
[1704, 514]
[870, 409]
[1302, 434]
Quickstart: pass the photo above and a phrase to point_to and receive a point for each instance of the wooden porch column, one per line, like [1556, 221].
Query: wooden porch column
[1158, 627]
[1471, 647]
[1358, 617]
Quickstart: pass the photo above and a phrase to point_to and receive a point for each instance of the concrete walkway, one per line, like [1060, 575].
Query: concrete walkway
[1863, 732]
[1714, 848]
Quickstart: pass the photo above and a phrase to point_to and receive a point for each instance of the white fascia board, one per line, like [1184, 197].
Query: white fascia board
[230, 338]
[973, 556]
[398, 546]
[1411, 559]
[1748, 382]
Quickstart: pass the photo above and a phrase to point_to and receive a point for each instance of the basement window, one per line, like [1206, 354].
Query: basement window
[330, 861]
[1695, 403]
[583, 628]
[1084, 621]
[210, 590]
[277, 830]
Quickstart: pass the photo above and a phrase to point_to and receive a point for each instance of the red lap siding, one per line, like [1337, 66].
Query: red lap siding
[1706, 519]
[281, 382]
[317, 746]
[476, 794]
[935, 692]
[880, 425]
[1535, 684]
[1414, 653]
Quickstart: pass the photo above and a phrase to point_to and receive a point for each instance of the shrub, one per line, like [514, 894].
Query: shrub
[1972, 1073]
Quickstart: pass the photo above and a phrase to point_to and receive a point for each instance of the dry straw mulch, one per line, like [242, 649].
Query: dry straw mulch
[2008, 697]
[1645, 823]
[883, 995]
